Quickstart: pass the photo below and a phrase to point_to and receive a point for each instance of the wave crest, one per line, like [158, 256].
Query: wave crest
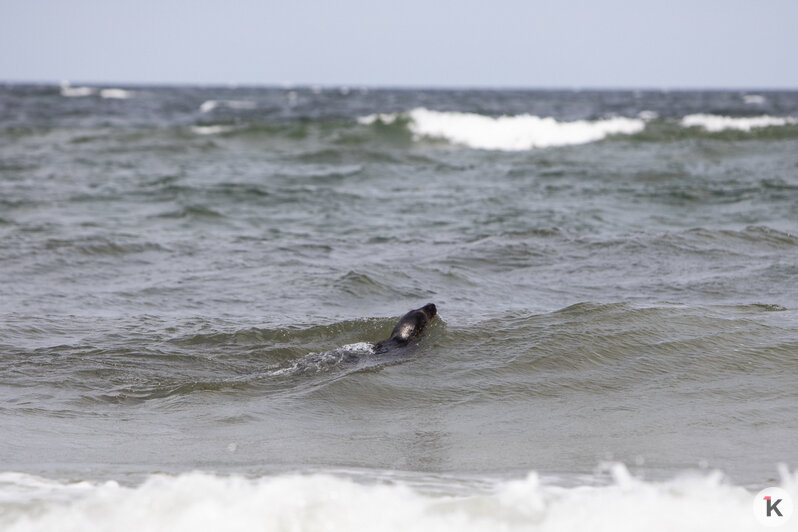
[715, 123]
[508, 133]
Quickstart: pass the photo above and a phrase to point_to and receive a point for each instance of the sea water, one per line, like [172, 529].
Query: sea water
[191, 279]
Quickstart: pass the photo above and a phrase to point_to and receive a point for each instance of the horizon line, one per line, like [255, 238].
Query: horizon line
[420, 87]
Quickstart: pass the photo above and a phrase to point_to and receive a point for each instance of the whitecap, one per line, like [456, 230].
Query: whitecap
[116, 94]
[209, 105]
[211, 130]
[509, 133]
[715, 123]
[75, 92]
[385, 118]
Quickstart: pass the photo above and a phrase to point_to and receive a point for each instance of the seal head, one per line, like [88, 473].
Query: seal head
[410, 326]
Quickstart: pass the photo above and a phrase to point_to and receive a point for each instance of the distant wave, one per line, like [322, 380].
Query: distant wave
[508, 133]
[202, 501]
[69, 91]
[754, 99]
[209, 105]
[212, 130]
[714, 123]
[526, 132]
[116, 94]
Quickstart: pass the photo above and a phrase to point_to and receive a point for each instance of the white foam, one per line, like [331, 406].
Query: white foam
[714, 123]
[318, 362]
[509, 133]
[211, 130]
[209, 105]
[198, 501]
[75, 92]
[385, 118]
[363, 348]
[116, 94]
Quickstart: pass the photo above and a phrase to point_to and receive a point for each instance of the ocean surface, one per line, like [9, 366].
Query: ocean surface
[191, 279]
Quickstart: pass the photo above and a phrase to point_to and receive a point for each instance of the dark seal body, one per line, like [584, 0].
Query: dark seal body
[409, 327]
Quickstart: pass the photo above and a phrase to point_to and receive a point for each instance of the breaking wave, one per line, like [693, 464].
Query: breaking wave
[116, 94]
[68, 91]
[322, 501]
[508, 133]
[715, 123]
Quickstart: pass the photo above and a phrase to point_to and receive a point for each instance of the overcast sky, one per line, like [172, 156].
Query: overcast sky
[490, 43]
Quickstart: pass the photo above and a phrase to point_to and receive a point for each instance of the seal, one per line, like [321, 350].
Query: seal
[409, 327]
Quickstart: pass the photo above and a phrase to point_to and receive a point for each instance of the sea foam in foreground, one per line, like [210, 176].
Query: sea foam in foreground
[199, 501]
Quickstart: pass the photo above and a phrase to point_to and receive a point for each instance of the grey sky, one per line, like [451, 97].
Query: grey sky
[499, 43]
